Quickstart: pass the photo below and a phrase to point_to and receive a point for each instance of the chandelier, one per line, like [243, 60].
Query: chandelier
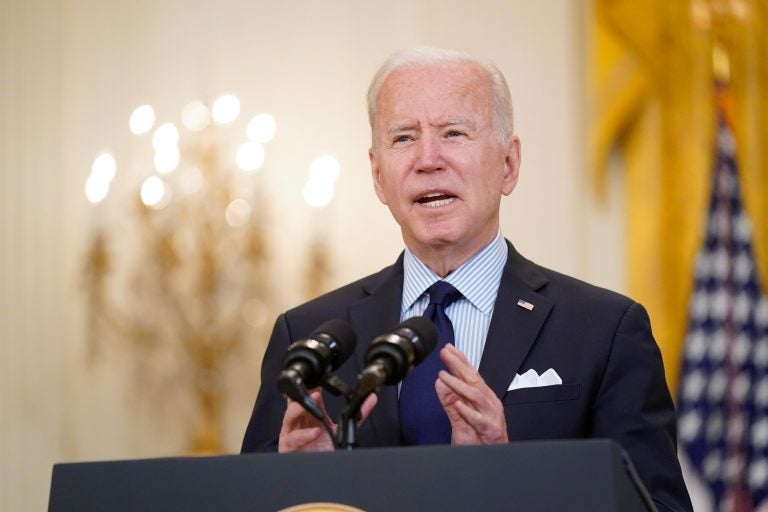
[177, 269]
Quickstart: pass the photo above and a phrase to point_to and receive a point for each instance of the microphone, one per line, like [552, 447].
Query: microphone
[307, 361]
[392, 355]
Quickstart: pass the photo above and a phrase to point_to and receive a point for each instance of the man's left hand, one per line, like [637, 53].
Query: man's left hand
[475, 412]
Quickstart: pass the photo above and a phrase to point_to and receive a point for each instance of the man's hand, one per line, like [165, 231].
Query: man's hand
[475, 412]
[302, 432]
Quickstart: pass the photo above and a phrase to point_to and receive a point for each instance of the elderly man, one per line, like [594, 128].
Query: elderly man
[528, 353]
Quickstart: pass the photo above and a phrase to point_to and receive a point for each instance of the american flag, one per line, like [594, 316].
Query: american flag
[723, 401]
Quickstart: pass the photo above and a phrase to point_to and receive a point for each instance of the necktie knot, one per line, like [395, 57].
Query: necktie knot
[443, 294]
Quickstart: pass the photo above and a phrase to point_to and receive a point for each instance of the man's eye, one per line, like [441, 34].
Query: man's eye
[454, 133]
[401, 138]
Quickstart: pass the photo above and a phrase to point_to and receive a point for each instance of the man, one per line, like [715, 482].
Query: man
[443, 153]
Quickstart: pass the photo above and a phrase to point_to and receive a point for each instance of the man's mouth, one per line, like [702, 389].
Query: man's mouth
[436, 199]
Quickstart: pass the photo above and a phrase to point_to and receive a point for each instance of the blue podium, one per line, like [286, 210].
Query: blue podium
[583, 475]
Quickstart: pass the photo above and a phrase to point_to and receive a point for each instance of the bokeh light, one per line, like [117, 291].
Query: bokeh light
[166, 137]
[142, 120]
[238, 213]
[167, 160]
[324, 168]
[225, 109]
[96, 189]
[318, 193]
[250, 156]
[195, 116]
[152, 191]
[262, 128]
[104, 167]
[192, 181]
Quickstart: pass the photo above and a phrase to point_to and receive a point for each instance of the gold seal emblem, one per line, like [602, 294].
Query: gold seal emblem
[321, 507]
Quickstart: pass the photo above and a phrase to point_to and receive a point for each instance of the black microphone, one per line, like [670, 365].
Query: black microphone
[392, 355]
[307, 361]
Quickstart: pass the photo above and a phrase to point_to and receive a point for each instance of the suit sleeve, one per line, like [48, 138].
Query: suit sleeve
[634, 407]
[264, 426]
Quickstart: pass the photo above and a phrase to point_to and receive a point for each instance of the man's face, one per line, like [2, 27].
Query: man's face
[437, 161]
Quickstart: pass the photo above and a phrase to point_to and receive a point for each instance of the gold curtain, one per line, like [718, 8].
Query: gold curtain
[651, 103]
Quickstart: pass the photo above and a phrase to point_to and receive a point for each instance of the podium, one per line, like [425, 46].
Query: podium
[584, 475]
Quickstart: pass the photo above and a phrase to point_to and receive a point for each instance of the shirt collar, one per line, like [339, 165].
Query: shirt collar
[477, 279]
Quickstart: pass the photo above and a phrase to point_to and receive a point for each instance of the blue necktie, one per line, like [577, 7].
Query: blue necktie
[422, 418]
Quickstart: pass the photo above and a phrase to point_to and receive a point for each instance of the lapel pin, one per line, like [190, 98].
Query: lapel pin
[524, 304]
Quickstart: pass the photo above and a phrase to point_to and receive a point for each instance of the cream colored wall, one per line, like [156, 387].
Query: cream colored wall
[73, 70]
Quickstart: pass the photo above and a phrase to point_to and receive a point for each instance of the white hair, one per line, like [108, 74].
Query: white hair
[425, 56]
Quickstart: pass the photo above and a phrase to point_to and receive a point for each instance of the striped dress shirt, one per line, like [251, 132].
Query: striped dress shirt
[478, 281]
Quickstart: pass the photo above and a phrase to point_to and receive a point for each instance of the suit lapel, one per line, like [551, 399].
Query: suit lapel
[513, 328]
[370, 317]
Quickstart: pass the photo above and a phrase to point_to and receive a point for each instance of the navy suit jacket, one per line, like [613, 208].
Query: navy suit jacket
[599, 342]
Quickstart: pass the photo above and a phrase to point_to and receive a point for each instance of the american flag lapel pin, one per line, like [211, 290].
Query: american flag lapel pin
[525, 304]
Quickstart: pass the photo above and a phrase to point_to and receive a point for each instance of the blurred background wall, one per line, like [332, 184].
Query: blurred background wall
[72, 73]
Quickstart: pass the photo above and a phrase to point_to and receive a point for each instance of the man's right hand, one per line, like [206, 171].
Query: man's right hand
[302, 432]
[475, 412]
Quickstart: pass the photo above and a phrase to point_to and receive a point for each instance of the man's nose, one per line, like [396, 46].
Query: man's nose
[430, 157]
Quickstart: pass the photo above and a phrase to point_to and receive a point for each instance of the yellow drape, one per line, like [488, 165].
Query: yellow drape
[651, 99]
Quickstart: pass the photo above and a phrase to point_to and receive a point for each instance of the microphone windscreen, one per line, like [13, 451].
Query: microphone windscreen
[342, 339]
[425, 335]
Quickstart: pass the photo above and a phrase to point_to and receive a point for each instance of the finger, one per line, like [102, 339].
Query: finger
[458, 364]
[296, 417]
[443, 393]
[490, 428]
[484, 415]
[451, 350]
[471, 415]
[317, 396]
[368, 405]
[448, 400]
[297, 439]
[475, 393]
[477, 406]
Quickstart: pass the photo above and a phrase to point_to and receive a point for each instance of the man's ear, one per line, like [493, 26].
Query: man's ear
[376, 176]
[511, 165]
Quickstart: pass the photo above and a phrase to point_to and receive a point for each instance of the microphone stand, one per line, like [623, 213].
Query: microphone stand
[368, 381]
[346, 437]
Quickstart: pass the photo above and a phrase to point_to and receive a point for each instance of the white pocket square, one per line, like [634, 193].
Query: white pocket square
[531, 379]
